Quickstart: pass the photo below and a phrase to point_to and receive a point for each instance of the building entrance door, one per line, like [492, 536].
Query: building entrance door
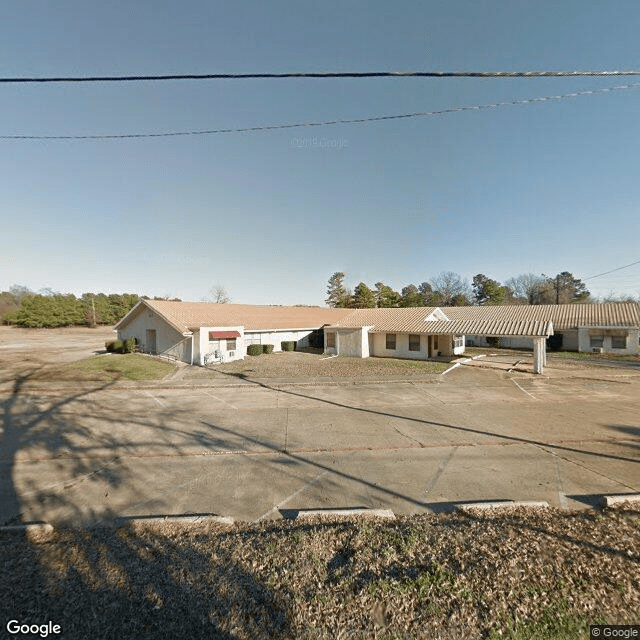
[151, 340]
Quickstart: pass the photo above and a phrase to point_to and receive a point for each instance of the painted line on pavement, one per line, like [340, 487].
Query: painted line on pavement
[443, 465]
[562, 496]
[160, 402]
[523, 390]
[233, 406]
[293, 495]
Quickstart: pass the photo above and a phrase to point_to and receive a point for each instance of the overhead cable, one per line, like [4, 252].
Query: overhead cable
[327, 74]
[626, 266]
[419, 114]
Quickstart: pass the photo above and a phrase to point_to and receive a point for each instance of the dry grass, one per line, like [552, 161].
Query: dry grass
[312, 365]
[542, 575]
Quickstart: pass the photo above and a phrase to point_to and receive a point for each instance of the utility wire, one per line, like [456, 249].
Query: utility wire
[420, 114]
[330, 74]
[626, 266]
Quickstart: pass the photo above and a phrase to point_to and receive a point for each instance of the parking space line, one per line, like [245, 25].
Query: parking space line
[293, 495]
[233, 406]
[160, 402]
[562, 496]
[523, 390]
[443, 465]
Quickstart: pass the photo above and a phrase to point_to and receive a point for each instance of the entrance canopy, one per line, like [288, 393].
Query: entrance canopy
[222, 335]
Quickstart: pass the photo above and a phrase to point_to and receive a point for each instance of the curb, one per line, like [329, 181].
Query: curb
[194, 519]
[620, 499]
[385, 514]
[502, 505]
[36, 527]
[45, 527]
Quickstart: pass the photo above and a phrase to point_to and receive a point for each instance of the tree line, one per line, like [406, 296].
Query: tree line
[449, 289]
[23, 307]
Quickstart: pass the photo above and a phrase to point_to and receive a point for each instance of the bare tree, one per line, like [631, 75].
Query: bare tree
[527, 287]
[220, 295]
[451, 289]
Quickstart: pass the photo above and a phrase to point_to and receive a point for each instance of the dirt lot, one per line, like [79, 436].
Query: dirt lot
[26, 349]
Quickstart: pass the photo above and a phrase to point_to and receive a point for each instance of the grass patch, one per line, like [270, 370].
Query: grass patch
[584, 355]
[424, 366]
[129, 366]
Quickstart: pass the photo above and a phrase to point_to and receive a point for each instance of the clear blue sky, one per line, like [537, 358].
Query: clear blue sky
[538, 188]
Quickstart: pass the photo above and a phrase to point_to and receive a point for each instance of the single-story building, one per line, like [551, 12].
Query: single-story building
[426, 332]
[601, 328]
[201, 332]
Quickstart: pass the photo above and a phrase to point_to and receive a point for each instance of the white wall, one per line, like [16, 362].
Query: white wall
[169, 341]
[353, 342]
[572, 340]
[206, 346]
[402, 347]
[585, 333]
[277, 337]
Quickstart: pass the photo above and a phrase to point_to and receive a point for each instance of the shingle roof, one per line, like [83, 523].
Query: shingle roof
[186, 316]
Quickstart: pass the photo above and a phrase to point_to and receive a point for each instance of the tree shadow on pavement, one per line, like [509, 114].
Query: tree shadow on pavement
[107, 582]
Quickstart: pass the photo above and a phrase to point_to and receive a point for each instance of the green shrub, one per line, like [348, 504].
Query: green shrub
[289, 345]
[129, 345]
[117, 346]
[108, 345]
[254, 349]
[267, 348]
[494, 342]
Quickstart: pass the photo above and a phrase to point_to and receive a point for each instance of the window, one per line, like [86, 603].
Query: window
[618, 342]
[231, 344]
[391, 341]
[458, 341]
[331, 340]
[414, 342]
[596, 341]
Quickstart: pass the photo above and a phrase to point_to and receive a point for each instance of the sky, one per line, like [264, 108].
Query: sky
[536, 188]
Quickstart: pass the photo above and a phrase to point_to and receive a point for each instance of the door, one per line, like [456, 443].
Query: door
[151, 340]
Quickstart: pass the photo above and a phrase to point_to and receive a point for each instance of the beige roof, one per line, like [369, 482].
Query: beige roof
[409, 319]
[505, 320]
[186, 316]
[563, 316]
[414, 320]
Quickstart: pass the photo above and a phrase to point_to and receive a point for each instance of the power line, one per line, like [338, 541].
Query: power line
[329, 74]
[420, 114]
[626, 266]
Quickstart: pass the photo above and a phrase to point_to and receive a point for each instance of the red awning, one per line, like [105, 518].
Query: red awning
[217, 335]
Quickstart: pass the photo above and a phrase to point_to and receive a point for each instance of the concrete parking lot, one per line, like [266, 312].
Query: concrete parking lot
[253, 450]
